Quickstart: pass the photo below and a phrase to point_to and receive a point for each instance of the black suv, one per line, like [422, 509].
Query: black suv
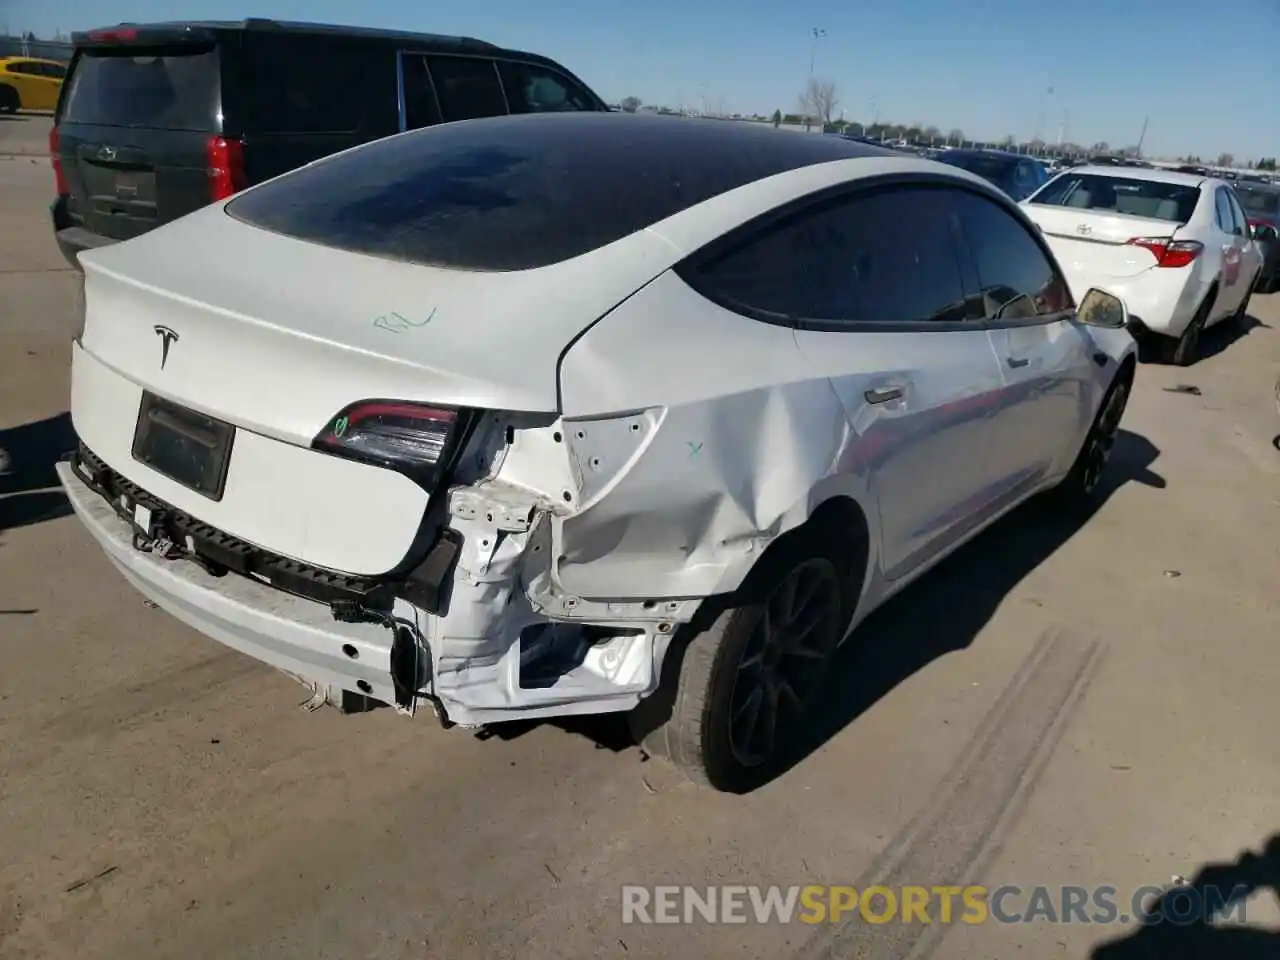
[157, 120]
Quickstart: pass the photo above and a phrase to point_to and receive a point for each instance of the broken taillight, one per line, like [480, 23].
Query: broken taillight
[1169, 252]
[415, 439]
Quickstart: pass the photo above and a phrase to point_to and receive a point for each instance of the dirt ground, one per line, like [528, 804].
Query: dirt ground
[1087, 705]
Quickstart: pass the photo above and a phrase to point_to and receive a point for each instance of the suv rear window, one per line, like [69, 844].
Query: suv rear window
[145, 88]
[1174, 202]
[519, 192]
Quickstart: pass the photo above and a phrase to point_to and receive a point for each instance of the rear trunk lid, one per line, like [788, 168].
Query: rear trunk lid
[277, 335]
[134, 127]
[1097, 243]
[1089, 221]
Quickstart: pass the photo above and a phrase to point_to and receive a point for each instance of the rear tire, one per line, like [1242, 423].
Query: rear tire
[9, 100]
[1186, 349]
[743, 687]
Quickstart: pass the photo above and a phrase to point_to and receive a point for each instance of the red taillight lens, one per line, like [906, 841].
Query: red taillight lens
[225, 159]
[413, 438]
[1169, 252]
[117, 35]
[55, 156]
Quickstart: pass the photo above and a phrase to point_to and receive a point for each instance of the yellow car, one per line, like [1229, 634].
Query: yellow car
[28, 83]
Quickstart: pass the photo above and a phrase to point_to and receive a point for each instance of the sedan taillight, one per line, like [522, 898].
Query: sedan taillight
[1169, 252]
[412, 438]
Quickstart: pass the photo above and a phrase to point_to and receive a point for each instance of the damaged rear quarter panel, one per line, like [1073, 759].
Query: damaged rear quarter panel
[698, 436]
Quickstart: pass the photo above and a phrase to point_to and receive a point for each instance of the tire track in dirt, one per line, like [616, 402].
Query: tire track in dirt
[960, 831]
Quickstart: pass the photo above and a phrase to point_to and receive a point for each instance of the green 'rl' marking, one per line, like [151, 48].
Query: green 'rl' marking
[340, 427]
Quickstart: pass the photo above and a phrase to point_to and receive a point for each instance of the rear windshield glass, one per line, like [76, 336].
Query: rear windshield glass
[1259, 202]
[995, 169]
[519, 192]
[157, 89]
[1174, 202]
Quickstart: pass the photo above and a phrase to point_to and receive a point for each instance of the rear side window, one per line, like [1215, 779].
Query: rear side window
[307, 84]
[535, 89]
[467, 87]
[159, 89]
[1174, 202]
[885, 257]
[1017, 279]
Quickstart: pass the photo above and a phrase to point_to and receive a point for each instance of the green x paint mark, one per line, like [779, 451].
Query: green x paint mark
[694, 448]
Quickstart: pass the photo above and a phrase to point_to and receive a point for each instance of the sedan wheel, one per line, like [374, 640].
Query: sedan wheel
[782, 662]
[1186, 350]
[1081, 482]
[739, 694]
[1102, 438]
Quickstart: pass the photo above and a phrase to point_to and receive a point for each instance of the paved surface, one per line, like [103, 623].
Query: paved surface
[1053, 706]
[24, 134]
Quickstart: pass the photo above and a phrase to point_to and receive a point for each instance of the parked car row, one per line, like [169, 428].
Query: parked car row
[575, 412]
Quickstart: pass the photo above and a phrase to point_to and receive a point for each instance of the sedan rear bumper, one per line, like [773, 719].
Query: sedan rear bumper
[73, 240]
[297, 636]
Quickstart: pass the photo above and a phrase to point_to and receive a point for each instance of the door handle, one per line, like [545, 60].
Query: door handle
[883, 395]
[1015, 362]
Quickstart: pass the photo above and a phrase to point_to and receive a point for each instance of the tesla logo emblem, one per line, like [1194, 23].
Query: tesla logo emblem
[1084, 229]
[107, 153]
[167, 337]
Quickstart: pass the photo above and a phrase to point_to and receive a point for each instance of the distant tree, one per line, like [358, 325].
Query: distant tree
[819, 99]
[955, 136]
[1101, 147]
[1226, 160]
[1008, 141]
[1037, 145]
[913, 132]
[931, 134]
[793, 119]
[630, 104]
[777, 118]
[1267, 163]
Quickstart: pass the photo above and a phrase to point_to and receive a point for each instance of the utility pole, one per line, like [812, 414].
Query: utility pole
[1142, 136]
[818, 34]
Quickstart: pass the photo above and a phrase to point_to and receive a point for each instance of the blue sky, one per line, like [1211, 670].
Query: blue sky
[984, 66]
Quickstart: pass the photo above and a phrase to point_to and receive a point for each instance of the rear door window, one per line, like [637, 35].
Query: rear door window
[158, 89]
[307, 84]
[535, 89]
[420, 106]
[887, 257]
[467, 87]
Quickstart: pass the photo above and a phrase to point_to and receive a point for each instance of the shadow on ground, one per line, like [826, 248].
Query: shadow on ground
[29, 490]
[969, 586]
[1217, 339]
[1178, 925]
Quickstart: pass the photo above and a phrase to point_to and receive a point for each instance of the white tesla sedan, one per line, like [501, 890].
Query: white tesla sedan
[499, 416]
[1177, 247]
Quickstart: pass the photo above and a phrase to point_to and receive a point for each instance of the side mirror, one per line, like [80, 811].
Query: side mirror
[1098, 308]
[1265, 232]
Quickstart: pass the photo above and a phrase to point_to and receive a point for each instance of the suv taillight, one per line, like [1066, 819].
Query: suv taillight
[225, 160]
[413, 438]
[55, 156]
[1169, 252]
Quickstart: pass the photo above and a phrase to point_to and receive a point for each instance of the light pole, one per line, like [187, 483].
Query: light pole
[818, 34]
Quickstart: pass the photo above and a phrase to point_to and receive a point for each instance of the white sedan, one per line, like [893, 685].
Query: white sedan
[502, 417]
[1177, 247]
